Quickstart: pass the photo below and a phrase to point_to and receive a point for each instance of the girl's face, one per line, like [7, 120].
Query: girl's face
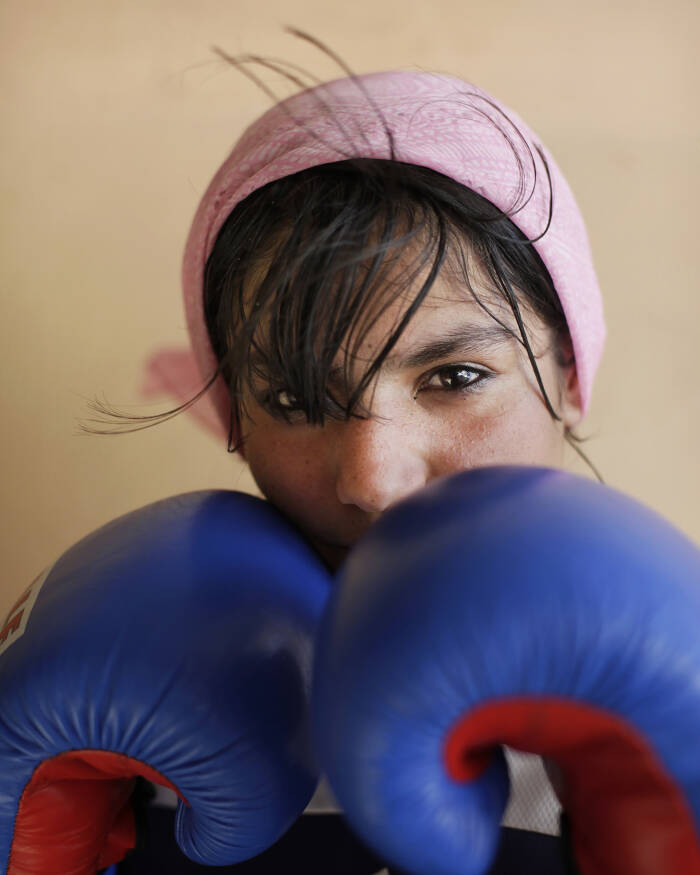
[456, 392]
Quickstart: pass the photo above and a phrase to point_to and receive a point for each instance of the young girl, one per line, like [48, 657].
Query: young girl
[388, 280]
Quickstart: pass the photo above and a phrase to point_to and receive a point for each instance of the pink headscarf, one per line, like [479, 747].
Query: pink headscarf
[436, 121]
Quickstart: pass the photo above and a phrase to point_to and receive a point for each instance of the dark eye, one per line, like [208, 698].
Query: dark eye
[279, 402]
[293, 409]
[454, 377]
[286, 400]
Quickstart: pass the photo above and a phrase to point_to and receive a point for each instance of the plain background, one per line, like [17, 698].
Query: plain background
[116, 114]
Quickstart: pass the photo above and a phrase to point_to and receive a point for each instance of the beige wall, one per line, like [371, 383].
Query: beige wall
[114, 116]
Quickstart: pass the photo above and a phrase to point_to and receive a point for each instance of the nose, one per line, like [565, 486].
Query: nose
[378, 462]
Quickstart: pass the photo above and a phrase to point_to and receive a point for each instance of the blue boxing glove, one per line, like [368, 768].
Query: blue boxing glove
[174, 643]
[522, 607]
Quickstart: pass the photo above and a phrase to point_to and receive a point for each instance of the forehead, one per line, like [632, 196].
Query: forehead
[456, 307]
[464, 309]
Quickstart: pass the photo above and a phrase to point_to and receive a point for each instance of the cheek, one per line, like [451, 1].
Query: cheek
[516, 431]
[289, 471]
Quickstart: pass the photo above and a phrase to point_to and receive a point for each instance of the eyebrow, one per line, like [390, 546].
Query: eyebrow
[465, 339]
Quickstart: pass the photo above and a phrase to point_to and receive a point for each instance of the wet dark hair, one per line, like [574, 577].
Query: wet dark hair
[304, 266]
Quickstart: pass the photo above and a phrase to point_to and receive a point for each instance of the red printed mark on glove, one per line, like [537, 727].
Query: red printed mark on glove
[16, 621]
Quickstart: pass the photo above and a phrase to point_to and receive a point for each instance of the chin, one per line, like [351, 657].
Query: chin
[332, 554]
[336, 539]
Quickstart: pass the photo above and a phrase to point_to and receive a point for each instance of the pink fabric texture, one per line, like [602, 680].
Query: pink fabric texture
[436, 121]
